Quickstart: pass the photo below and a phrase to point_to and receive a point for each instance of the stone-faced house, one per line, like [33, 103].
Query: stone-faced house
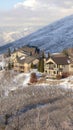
[17, 53]
[24, 57]
[23, 64]
[25, 51]
[58, 64]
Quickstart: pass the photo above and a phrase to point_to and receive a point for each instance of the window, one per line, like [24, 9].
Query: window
[21, 67]
[61, 69]
[54, 72]
[46, 71]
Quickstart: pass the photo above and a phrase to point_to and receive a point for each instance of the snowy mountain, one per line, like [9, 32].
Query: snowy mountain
[10, 34]
[9, 37]
[53, 38]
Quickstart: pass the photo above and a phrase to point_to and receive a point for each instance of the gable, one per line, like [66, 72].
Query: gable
[59, 60]
[50, 60]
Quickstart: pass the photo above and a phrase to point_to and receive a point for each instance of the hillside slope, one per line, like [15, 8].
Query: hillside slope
[53, 38]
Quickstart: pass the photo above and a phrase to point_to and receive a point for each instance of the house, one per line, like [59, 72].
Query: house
[30, 50]
[24, 57]
[18, 53]
[25, 51]
[23, 64]
[58, 64]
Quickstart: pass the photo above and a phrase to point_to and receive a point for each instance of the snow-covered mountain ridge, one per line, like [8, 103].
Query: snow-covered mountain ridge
[53, 38]
[11, 34]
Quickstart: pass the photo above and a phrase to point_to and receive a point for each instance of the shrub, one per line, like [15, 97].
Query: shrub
[6, 118]
[33, 78]
[58, 76]
[65, 75]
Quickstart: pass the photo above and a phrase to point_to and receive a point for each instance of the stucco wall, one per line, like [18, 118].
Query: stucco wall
[71, 68]
[66, 68]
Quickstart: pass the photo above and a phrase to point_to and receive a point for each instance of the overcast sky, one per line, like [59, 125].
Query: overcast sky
[33, 12]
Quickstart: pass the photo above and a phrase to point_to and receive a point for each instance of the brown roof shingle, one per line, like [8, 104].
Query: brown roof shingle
[60, 59]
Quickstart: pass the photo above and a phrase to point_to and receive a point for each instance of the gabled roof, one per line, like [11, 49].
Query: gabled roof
[60, 59]
[30, 49]
[28, 59]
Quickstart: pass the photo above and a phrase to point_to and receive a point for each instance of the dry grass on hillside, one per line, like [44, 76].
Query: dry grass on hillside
[54, 113]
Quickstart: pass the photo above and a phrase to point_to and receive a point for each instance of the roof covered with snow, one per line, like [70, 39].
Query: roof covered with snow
[28, 59]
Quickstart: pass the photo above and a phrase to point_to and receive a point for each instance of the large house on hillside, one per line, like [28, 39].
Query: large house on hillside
[24, 57]
[23, 64]
[58, 64]
[25, 51]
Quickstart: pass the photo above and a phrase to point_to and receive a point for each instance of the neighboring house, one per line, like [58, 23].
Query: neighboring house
[71, 66]
[23, 64]
[31, 50]
[58, 64]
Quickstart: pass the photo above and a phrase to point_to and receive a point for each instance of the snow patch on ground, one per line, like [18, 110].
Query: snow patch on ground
[27, 79]
[67, 83]
[21, 80]
[16, 82]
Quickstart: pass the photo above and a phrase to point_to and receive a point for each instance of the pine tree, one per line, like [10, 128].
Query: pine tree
[32, 65]
[43, 54]
[14, 50]
[42, 65]
[9, 65]
[39, 65]
[48, 55]
[6, 118]
[41, 62]
[65, 52]
[9, 52]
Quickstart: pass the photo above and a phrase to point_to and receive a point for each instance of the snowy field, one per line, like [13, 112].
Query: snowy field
[11, 81]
